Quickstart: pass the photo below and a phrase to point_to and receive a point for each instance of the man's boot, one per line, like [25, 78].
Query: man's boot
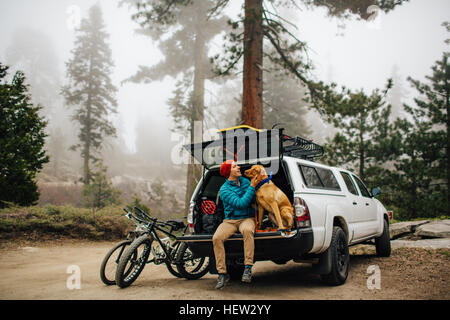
[223, 279]
[247, 275]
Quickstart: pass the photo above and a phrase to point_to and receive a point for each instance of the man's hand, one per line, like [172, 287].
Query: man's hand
[254, 182]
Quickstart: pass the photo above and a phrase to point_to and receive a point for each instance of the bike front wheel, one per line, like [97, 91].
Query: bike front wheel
[133, 261]
[188, 266]
[111, 260]
[172, 264]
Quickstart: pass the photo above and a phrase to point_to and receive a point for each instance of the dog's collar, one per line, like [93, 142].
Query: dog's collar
[263, 182]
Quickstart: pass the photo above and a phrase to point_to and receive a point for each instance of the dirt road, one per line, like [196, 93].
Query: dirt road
[39, 271]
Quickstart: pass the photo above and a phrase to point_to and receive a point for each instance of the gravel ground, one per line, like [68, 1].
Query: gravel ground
[39, 271]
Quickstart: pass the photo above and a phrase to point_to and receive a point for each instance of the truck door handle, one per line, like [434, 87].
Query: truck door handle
[367, 204]
[354, 203]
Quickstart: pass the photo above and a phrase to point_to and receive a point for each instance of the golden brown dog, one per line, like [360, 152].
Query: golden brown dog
[271, 198]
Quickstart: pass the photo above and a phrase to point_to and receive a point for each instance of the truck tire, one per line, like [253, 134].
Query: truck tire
[340, 258]
[383, 243]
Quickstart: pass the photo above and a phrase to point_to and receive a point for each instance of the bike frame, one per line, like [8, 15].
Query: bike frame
[152, 227]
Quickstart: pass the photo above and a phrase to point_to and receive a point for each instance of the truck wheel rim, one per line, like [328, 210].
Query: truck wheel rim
[342, 255]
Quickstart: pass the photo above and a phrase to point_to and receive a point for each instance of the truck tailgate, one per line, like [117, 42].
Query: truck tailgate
[236, 236]
[268, 245]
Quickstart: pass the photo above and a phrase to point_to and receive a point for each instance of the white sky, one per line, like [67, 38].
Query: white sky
[411, 37]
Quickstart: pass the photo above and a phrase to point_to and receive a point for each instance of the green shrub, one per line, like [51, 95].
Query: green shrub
[65, 221]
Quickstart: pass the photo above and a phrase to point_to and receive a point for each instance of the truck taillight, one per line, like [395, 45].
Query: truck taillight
[190, 218]
[302, 217]
[391, 215]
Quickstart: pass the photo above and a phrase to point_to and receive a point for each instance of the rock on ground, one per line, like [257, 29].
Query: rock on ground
[434, 229]
[399, 229]
[425, 244]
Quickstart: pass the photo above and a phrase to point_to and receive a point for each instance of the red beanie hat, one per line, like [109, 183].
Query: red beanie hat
[225, 168]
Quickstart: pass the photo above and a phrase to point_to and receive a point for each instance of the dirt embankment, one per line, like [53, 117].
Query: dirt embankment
[39, 271]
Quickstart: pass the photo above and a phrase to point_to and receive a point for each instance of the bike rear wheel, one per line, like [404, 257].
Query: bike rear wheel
[109, 264]
[188, 266]
[133, 261]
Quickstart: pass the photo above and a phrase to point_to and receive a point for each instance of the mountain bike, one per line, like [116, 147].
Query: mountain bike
[149, 247]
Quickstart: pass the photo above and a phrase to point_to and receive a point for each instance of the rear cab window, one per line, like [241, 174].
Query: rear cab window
[212, 186]
[349, 183]
[362, 187]
[318, 178]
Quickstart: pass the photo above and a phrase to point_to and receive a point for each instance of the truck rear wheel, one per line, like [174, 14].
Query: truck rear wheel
[340, 258]
[383, 243]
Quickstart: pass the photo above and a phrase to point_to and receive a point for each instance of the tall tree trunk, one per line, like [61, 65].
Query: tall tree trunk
[190, 175]
[447, 104]
[199, 91]
[361, 149]
[194, 172]
[87, 147]
[252, 103]
[87, 143]
[414, 195]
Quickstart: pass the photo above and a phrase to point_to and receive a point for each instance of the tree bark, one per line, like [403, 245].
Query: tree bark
[252, 103]
[87, 147]
[194, 172]
[87, 143]
[447, 105]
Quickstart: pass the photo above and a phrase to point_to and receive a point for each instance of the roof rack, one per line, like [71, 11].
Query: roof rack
[301, 148]
[249, 144]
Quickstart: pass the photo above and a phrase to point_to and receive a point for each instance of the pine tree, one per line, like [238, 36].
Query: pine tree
[291, 54]
[410, 187]
[433, 106]
[90, 89]
[100, 192]
[22, 139]
[363, 124]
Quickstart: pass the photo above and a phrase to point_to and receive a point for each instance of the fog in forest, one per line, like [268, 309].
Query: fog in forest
[37, 38]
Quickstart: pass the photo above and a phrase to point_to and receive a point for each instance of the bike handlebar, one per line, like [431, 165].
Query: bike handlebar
[154, 220]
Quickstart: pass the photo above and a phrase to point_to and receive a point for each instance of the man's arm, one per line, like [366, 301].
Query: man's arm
[234, 200]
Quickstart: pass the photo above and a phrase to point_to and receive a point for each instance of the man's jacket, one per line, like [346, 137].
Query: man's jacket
[237, 200]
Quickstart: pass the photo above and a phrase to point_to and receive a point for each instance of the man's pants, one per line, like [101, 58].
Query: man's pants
[226, 229]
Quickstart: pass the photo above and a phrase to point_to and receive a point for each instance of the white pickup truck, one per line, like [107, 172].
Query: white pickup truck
[333, 207]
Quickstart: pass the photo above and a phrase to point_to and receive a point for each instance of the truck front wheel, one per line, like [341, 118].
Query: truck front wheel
[340, 258]
[383, 243]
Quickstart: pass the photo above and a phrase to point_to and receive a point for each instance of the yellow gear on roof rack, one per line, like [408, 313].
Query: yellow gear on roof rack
[244, 126]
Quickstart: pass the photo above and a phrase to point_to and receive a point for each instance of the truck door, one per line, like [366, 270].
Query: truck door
[367, 213]
[354, 203]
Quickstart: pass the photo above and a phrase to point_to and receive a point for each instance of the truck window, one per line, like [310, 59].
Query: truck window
[328, 179]
[319, 178]
[213, 186]
[362, 187]
[311, 177]
[349, 183]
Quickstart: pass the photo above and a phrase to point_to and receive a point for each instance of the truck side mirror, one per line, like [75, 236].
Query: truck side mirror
[375, 191]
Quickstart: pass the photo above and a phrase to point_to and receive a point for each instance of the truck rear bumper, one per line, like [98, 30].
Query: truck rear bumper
[268, 245]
